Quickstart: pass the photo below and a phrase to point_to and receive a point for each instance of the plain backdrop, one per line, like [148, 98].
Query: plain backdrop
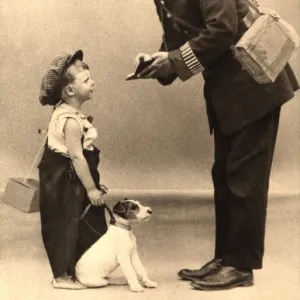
[150, 136]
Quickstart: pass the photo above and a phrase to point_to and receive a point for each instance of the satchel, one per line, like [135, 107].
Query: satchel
[265, 48]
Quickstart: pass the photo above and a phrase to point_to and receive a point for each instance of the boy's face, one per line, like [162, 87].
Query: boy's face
[83, 86]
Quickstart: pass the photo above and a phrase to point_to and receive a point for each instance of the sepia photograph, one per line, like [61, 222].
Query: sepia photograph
[150, 149]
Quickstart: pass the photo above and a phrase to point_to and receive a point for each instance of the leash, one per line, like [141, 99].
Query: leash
[111, 215]
[112, 218]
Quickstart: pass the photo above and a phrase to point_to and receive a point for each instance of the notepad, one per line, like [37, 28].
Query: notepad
[141, 66]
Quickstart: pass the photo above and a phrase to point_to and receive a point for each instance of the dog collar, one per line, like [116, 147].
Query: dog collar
[126, 227]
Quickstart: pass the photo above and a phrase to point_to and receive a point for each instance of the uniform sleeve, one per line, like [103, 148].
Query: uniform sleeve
[220, 18]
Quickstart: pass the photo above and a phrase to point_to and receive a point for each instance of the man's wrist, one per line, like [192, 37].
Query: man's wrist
[172, 64]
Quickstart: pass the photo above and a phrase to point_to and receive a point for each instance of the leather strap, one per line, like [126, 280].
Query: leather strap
[248, 20]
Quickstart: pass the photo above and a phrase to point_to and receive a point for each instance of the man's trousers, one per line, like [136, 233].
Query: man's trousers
[241, 172]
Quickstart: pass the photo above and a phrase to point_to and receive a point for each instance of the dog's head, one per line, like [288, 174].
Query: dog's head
[132, 210]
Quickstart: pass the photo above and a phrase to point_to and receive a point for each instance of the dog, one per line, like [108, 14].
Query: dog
[117, 247]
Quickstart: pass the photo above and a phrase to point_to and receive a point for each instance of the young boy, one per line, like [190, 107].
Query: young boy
[69, 179]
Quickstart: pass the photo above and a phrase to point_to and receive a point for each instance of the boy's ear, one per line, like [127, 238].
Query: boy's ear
[69, 90]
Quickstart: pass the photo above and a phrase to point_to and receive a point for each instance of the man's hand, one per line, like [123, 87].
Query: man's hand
[141, 57]
[95, 196]
[161, 66]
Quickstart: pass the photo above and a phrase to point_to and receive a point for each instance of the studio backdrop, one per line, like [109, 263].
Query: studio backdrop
[150, 136]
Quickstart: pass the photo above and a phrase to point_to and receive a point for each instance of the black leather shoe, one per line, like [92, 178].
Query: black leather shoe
[225, 278]
[212, 266]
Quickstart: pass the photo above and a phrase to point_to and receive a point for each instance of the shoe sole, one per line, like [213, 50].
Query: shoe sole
[188, 278]
[68, 287]
[239, 284]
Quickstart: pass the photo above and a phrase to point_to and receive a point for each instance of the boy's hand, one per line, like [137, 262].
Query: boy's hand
[95, 196]
[103, 189]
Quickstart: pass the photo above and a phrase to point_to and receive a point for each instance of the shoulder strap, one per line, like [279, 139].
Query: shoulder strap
[180, 20]
[252, 3]
[43, 144]
[35, 159]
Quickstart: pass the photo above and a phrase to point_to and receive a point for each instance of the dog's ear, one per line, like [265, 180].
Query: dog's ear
[120, 208]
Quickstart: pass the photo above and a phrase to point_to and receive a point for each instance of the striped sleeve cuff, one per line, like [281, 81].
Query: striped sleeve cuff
[190, 59]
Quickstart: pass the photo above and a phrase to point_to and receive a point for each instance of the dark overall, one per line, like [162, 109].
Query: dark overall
[62, 201]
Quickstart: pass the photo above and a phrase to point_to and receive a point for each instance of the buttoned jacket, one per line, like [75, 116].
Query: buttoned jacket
[202, 44]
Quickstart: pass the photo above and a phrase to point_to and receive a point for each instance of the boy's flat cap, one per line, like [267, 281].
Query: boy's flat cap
[50, 91]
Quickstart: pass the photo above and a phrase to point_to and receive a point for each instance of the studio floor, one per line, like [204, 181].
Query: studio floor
[180, 234]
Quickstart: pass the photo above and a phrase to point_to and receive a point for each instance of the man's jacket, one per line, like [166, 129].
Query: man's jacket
[202, 44]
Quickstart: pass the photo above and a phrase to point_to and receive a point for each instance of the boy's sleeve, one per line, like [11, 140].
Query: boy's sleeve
[219, 34]
[61, 122]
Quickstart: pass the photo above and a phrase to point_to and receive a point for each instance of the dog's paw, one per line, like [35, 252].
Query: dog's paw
[137, 288]
[150, 284]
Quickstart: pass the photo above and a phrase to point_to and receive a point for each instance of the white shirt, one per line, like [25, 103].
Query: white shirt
[56, 137]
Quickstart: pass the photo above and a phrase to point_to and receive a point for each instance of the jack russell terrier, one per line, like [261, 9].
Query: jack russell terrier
[117, 247]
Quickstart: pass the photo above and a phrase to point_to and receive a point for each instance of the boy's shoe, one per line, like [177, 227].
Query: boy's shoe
[67, 283]
[212, 266]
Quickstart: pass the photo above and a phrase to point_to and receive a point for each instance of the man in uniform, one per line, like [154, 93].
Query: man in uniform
[243, 116]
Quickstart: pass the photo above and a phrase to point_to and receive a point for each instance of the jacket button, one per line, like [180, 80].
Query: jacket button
[168, 15]
[186, 32]
[162, 2]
